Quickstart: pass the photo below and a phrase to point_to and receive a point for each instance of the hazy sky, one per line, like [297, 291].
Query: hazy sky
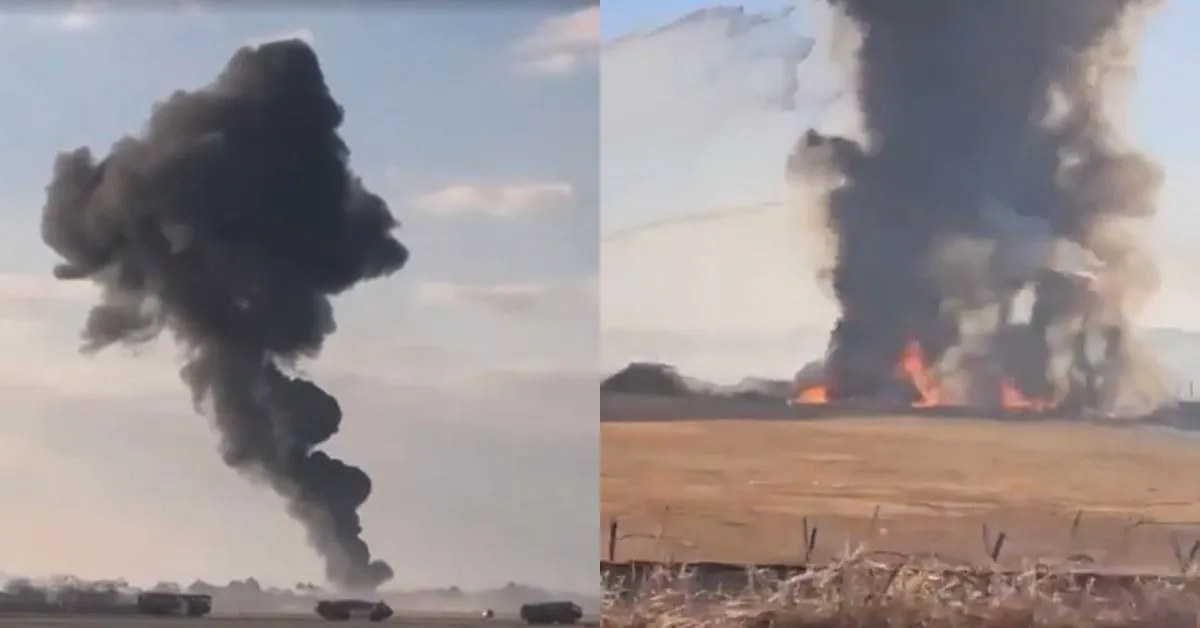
[467, 379]
[694, 141]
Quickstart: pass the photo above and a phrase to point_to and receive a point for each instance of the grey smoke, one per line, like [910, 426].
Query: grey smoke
[230, 221]
[991, 165]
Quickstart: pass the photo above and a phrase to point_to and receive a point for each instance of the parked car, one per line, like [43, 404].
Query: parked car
[547, 613]
[345, 610]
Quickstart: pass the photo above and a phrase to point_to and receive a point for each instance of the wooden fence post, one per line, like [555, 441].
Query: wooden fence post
[612, 540]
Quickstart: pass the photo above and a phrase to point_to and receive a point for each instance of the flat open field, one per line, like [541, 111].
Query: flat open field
[738, 491]
[275, 621]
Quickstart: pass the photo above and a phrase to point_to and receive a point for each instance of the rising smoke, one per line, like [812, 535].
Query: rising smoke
[231, 221]
[990, 166]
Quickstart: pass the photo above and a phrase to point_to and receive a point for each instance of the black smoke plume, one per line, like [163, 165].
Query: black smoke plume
[990, 164]
[230, 221]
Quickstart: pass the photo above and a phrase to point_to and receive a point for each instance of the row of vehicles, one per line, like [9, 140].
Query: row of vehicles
[199, 605]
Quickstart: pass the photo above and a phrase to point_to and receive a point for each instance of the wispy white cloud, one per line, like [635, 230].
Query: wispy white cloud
[500, 201]
[43, 288]
[78, 16]
[565, 298]
[560, 44]
[192, 7]
[304, 34]
[573, 30]
[556, 63]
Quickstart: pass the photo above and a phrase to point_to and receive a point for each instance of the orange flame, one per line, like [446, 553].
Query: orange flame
[912, 368]
[1013, 399]
[814, 394]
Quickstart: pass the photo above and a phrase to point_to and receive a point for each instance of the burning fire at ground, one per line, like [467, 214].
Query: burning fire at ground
[913, 375]
[974, 183]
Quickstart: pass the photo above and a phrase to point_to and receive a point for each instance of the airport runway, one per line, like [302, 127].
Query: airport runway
[249, 621]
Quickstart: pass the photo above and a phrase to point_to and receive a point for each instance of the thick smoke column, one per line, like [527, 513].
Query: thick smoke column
[970, 108]
[230, 221]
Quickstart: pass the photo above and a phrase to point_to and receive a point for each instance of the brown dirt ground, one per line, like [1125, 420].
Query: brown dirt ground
[739, 491]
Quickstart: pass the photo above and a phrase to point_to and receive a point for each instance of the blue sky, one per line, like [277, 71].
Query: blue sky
[480, 127]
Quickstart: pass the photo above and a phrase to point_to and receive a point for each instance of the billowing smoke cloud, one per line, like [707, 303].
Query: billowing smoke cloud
[231, 221]
[990, 165]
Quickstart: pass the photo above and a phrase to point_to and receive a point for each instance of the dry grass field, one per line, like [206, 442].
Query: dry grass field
[855, 592]
[740, 491]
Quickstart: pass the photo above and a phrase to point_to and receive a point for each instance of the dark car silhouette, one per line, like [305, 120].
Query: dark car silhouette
[344, 610]
[546, 613]
[168, 603]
